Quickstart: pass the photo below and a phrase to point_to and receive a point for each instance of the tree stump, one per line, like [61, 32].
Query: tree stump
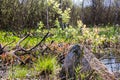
[98, 66]
[73, 59]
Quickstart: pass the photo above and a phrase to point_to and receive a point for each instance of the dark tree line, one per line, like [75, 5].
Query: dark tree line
[28, 13]
[19, 14]
[98, 12]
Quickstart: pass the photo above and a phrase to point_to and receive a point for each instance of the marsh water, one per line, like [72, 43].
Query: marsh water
[112, 62]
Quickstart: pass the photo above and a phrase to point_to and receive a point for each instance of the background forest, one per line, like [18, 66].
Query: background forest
[19, 14]
[38, 37]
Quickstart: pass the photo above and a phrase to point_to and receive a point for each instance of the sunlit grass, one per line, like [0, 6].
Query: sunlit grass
[18, 72]
[95, 34]
[47, 64]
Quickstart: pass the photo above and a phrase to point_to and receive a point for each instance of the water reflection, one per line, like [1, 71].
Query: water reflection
[112, 63]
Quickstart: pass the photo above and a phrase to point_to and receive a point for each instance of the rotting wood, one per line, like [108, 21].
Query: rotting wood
[98, 66]
[71, 61]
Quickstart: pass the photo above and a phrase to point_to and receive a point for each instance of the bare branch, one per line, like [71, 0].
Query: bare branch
[2, 48]
[47, 48]
[12, 53]
[39, 42]
[18, 48]
[17, 45]
[8, 44]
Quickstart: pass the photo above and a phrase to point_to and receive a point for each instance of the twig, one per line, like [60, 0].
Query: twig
[88, 77]
[46, 48]
[38, 43]
[19, 59]
[18, 48]
[7, 44]
[12, 53]
[29, 50]
[17, 45]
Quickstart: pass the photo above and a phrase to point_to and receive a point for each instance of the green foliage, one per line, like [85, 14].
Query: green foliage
[94, 37]
[41, 25]
[67, 34]
[47, 64]
[6, 37]
[84, 76]
[28, 14]
[57, 23]
[66, 15]
[78, 74]
[18, 72]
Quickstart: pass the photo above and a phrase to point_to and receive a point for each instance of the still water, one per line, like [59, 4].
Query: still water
[112, 63]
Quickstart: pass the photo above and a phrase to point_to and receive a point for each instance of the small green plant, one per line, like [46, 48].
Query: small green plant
[18, 72]
[46, 65]
[78, 74]
[41, 25]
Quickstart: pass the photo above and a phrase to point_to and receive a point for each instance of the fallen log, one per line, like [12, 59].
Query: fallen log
[98, 66]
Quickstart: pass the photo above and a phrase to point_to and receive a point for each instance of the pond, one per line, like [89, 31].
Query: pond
[112, 63]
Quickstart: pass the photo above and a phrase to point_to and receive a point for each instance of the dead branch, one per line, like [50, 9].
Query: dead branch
[8, 44]
[1, 48]
[19, 48]
[18, 44]
[16, 49]
[47, 48]
[27, 51]
[39, 42]
[12, 53]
